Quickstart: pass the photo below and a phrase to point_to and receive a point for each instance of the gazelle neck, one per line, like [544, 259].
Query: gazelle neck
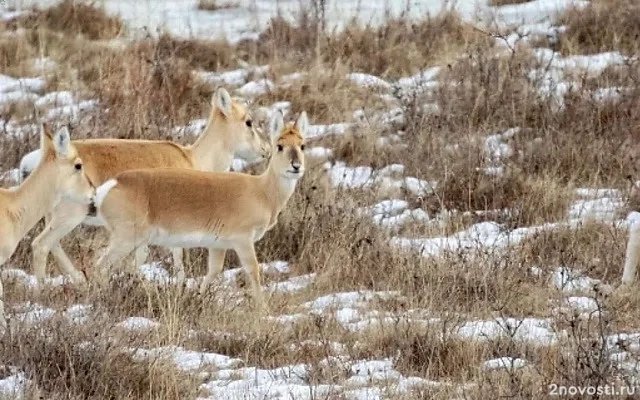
[213, 151]
[36, 195]
[277, 187]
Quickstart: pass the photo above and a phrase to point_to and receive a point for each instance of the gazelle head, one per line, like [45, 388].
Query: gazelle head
[71, 182]
[288, 145]
[243, 137]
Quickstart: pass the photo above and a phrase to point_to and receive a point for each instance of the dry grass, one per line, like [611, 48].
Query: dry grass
[397, 49]
[506, 2]
[56, 359]
[601, 26]
[145, 88]
[75, 18]
[215, 5]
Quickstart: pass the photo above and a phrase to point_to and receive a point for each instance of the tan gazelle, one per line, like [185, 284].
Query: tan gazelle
[229, 133]
[216, 210]
[59, 177]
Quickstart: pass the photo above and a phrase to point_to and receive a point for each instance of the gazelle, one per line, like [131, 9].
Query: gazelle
[216, 210]
[59, 176]
[632, 256]
[229, 133]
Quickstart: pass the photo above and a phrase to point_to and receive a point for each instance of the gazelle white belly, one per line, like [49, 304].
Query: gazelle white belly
[188, 240]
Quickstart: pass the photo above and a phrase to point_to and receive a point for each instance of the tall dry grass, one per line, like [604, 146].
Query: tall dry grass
[146, 88]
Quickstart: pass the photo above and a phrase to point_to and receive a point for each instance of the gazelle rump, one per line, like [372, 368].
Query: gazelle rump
[59, 176]
[188, 208]
[229, 133]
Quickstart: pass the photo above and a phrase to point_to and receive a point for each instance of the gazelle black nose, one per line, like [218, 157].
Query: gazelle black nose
[296, 168]
[92, 210]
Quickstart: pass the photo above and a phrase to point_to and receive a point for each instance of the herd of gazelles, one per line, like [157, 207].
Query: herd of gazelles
[162, 193]
[158, 193]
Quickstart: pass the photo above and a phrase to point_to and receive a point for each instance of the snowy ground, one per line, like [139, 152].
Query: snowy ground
[182, 18]
[229, 378]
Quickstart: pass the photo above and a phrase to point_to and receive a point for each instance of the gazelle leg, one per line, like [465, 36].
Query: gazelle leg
[247, 255]
[4, 256]
[632, 255]
[116, 251]
[215, 263]
[62, 221]
[178, 254]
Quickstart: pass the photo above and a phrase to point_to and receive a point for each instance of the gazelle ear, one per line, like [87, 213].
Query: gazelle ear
[276, 125]
[302, 124]
[46, 138]
[222, 100]
[62, 142]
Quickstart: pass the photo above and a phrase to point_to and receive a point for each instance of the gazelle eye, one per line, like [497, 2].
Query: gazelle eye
[78, 166]
[302, 147]
[279, 147]
[248, 123]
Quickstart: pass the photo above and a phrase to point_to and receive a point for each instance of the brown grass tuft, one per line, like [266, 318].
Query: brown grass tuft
[602, 25]
[215, 5]
[76, 18]
[399, 48]
[77, 362]
[505, 2]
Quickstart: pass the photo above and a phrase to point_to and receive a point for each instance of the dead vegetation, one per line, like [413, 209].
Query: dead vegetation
[506, 2]
[215, 5]
[601, 26]
[147, 87]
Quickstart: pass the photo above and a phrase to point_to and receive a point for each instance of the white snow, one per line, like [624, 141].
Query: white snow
[342, 176]
[318, 152]
[596, 193]
[582, 304]
[556, 74]
[71, 111]
[185, 360]
[156, 273]
[253, 88]
[12, 175]
[369, 81]
[78, 313]
[391, 214]
[33, 313]
[14, 386]
[291, 285]
[504, 362]
[602, 209]
[138, 324]
[315, 131]
[237, 77]
[55, 99]
[30, 281]
[278, 383]
[276, 267]
[9, 84]
[349, 299]
[530, 330]
[17, 96]
[570, 281]
[421, 81]
[182, 18]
